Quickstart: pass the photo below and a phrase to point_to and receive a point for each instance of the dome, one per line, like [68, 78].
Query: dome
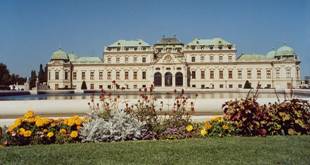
[271, 54]
[72, 57]
[59, 55]
[285, 50]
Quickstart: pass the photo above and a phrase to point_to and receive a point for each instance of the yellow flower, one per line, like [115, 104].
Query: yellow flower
[18, 122]
[39, 122]
[71, 122]
[207, 125]
[203, 132]
[27, 133]
[21, 131]
[217, 119]
[50, 134]
[225, 126]
[189, 128]
[74, 134]
[78, 121]
[28, 115]
[63, 131]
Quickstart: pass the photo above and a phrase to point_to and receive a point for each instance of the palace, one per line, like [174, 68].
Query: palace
[171, 64]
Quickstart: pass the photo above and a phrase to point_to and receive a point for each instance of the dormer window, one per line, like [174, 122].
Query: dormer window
[139, 43]
[211, 47]
[118, 43]
[229, 46]
[220, 47]
[197, 42]
[193, 47]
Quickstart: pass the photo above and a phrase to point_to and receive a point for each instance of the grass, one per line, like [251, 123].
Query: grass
[227, 150]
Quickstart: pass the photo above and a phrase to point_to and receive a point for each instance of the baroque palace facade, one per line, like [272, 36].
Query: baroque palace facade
[171, 64]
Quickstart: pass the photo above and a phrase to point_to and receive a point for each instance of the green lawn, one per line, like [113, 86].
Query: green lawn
[228, 150]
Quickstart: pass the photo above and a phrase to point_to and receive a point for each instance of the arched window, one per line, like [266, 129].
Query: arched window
[178, 79]
[157, 79]
[168, 79]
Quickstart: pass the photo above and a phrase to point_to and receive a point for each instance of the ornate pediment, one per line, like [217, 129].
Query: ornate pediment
[170, 58]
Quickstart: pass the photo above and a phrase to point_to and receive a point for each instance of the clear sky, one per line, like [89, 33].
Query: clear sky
[30, 30]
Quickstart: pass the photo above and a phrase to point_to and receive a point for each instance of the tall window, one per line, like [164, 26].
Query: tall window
[193, 74]
[143, 75]
[249, 74]
[202, 58]
[211, 74]
[117, 76]
[143, 59]
[56, 75]
[83, 75]
[135, 75]
[74, 75]
[278, 73]
[100, 75]
[221, 74]
[239, 74]
[126, 75]
[92, 75]
[259, 74]
[288, 72]
[268, 74]
[211, 58]
[135, 59]
[66, 75]
[117, 59]
[126, 59]
[49, 75]
[109, 75]
[193, 59]
[230, 74]
[202, 74]
[109, 59]
[221, 58]
[229, 58]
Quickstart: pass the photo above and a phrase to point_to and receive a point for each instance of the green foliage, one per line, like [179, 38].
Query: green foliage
[84, 86]
[247, 85]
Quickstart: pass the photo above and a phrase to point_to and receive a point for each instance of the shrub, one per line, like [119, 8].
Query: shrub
[119, 126]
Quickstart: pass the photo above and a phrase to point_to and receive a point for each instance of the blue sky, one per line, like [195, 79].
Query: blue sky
[30, 30]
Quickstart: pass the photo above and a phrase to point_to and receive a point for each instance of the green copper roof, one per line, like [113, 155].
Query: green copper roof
[59, 55]
[271, 54]
[129, 43]
[88, 60]
[252, 57]
[285, 50]
[213, 41]
[72, 57]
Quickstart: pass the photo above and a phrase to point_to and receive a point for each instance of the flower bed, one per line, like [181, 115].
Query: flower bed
[106, 122]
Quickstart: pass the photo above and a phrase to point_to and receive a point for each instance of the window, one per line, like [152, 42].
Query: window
[221, 74]
[211, 74]
[194, 85]
[143, 75]
[230, 58]
[230, 74]
[117, 76]
[239, 85]
[56, 75]
[211, 58]
[74, 75]
[221, 86]
[202, 86]
[100, 86]
[126, 59]
[66, 75]
[143, 59]
[157, 68]
[259, 74]
[249, 74]
[83, 75]
[117, 59]
[109, 75]
[92, 75]
[109, 59]
[179, 68]
[278, 73]
[202, 74]
[193, 74]
[135, 75]
[100, 75]
[288, 72]
[202, 58]
[109, 86]
[92, 86]
[49, 75]
[268, 74]
[135, 86]
[135, 59]
[220, 58]
[230, 86]
[126, 75]
[193, 59]
[239, 74]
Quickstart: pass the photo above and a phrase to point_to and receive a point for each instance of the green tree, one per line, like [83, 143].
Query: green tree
[247, 85]
[84, 86]
[41, 74]
[4, 75]
[33, 78]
